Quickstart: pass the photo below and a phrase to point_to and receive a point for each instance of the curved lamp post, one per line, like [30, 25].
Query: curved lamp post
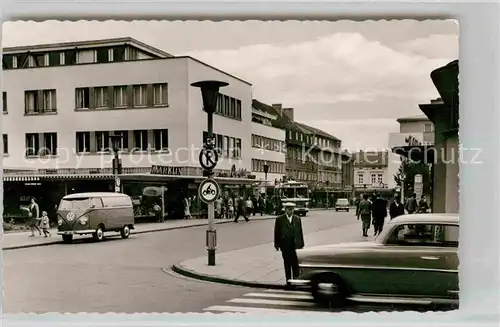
[116, 143]
[210, 94]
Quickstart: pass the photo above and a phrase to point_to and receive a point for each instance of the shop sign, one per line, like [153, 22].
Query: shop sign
[166, 170]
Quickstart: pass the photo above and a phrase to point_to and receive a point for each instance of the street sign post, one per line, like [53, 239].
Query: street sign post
[208, 158]
[209, 189]
[117, 184]
[418, 186]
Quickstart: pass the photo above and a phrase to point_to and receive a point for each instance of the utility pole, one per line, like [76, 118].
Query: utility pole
[209, 189]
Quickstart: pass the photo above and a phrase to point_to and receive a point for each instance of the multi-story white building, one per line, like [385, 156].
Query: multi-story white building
[62, 101]
[268, 146]
[371, 172]
[414, 130]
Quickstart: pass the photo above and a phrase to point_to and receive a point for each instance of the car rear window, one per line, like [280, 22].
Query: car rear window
[74, 204]
[342, 201]
[443, 235]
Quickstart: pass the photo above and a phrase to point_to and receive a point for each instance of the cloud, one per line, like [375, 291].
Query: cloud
[434, 46]
[340, 67]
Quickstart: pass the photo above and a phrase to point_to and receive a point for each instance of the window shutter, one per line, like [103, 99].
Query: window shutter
[39, 104]
[4, 101]
[91, 98]
[111, 97]
[130, 96]
[150, 96]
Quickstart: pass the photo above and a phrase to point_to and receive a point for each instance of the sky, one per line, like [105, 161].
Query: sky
[350, 79]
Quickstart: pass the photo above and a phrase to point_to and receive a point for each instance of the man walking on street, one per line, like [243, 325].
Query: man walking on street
[379, 212]
[365, 212]
[396, 208]
[411, 205]
[288, 237]
[242, 210]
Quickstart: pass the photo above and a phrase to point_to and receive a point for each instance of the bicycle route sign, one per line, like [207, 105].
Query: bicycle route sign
[208, 190]
[208, 158]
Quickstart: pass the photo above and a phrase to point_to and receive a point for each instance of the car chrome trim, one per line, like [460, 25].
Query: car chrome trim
[72, 232]
[326, 266]
[400, 300]
[299, 282]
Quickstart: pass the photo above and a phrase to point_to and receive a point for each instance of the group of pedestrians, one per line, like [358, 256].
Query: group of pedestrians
[374, 210]
[229, 207]
[36, 221]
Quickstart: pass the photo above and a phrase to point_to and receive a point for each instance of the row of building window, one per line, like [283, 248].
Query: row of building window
[275, 167]
[331, 177]
[267, 143]
[301, 175]
[375, 178]
[228, 106]
[103, 97]
[326, 143]
[45, 144]
[227, 146]
[69, 57]
[299, 137]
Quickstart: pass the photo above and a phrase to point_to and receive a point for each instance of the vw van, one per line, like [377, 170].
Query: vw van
[94, 214]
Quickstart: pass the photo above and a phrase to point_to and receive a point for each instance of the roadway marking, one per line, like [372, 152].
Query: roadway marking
[273, 302]
[225, 308]
[280, 296]
[286, 292]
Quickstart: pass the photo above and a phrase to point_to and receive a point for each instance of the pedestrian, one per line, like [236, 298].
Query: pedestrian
[423, 206]
[379, 212]
[187, 211]
[218, 208]
[34, 214]
[241, 210]
[365, 212]
[230, 208]
[396, 208]
[262, 205]
[157, 211]
[288, 237]
[45, 224]
[357, 202]
[411, 204]
[249, 204]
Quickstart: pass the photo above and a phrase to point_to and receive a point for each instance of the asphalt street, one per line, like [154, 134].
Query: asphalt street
[126, 276]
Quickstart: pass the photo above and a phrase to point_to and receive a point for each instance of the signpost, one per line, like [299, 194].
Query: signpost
[418, 186]
[117, 184]
[209, 189]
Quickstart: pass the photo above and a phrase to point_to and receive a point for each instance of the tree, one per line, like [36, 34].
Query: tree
[406, 174]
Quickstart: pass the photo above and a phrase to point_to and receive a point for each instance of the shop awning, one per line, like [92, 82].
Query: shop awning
[20, 178]
[421, 153]
[45, 177]
[165, 178]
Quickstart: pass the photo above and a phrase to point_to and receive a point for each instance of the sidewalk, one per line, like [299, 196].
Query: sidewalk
[261, 265]
[11, 241]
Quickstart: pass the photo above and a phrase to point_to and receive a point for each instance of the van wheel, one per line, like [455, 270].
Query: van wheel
[329, 290]
[98, 234]
[67, 238]
[125, 232]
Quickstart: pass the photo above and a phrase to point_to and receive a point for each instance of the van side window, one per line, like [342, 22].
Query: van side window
[96, 202]
[117, 201]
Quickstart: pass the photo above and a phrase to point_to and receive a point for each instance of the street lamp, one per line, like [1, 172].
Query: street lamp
[210, 94]
[327, 198]
[116, 143]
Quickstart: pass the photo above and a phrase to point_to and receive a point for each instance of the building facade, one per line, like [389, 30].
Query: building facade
[268, 145]
[371, 172]
[61, 102]
[412, 130]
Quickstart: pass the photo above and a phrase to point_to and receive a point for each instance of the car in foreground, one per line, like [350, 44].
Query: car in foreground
[413, 261]
[342, 204]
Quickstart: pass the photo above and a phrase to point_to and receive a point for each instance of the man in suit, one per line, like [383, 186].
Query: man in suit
[379, 212]
[288, 237]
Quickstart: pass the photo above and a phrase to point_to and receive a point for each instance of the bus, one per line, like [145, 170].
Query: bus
[295, 192]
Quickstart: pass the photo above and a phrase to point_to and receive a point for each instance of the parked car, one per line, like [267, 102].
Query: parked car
[342, 204]
[413, 261]
[94, 213]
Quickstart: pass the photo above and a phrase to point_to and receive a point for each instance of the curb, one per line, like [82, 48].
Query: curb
[24, 246]
[219, 280]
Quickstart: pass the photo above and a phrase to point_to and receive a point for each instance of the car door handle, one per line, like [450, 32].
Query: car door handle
[429, 258]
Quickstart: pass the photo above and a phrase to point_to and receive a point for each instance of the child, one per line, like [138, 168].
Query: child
[45, 224]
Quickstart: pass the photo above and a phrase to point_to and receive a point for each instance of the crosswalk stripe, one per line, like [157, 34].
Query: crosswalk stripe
[286, 292]
[280, 296]
[273, 302]
[225, 308]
